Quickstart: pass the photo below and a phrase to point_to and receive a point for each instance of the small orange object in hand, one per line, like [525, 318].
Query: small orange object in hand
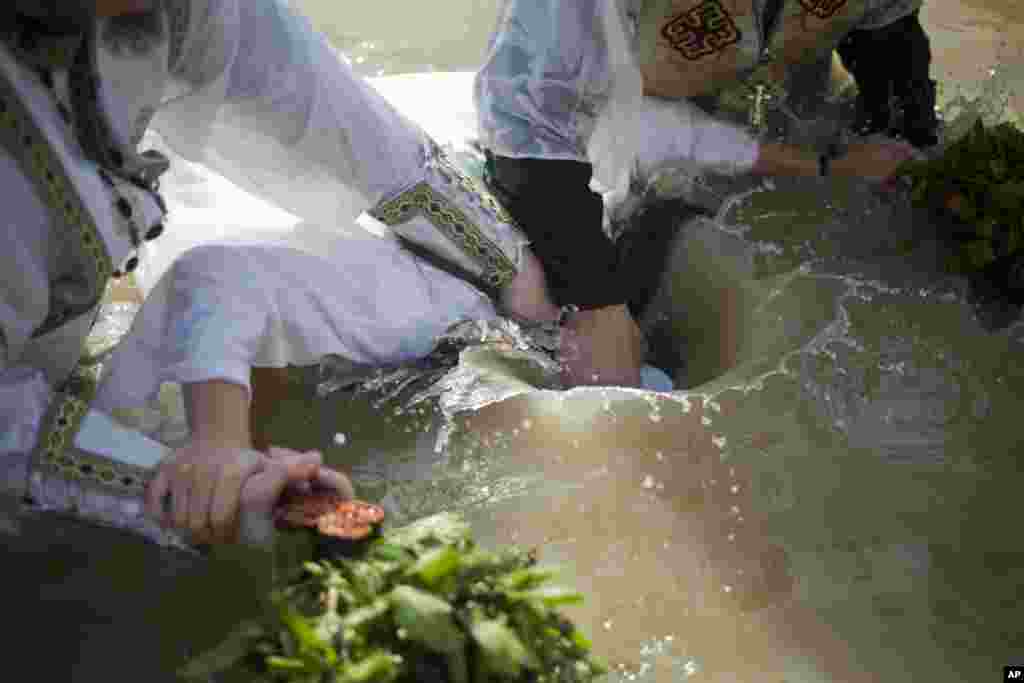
[331, 515]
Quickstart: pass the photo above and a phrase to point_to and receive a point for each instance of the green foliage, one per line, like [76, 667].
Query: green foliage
[985, 169]
[416, 595]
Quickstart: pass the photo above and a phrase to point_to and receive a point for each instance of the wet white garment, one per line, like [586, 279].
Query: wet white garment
[252, 91]
[560, 81]
[224, 308]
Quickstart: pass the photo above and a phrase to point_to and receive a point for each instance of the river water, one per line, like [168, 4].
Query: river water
[870, 429]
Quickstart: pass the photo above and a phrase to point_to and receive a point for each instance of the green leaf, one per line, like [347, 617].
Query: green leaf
[435, 565]
[286, 664]
[378, 667]
[550, 596]
[503, 652]
[529, 577]
[362, 617]
[311, 647]
[426, 619]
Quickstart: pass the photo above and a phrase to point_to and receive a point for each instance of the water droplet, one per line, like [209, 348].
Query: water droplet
[607, 625]
[527, 424]
[660, 456]
[691, 668]
[735, 509]
[655, 417]
[575, 443]
[648, 482]
[727, 588]
[731, 537]
[735, 488]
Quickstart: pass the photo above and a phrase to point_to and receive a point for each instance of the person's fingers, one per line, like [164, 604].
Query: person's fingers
[204, 482]
[227, 496]
[181, 486]
[336, 481]
[157, 490]
[261, 491]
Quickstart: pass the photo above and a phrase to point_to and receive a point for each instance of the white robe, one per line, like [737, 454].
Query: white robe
[262, 98]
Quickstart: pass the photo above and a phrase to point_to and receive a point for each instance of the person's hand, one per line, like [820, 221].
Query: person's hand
[527, 296]
[876, 162]
[203, 481]
[603, 346]
[286, 472]
[208, 484]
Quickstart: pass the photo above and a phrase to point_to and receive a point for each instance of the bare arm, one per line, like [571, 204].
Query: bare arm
[218, 413]
[779, 159]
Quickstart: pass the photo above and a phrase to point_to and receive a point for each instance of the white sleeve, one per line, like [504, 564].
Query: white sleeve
[268, 103]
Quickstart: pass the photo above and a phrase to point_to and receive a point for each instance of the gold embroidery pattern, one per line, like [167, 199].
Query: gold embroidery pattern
[452, 221]
[20, 135]
[702, 30]
[56, 456]
[823, 9]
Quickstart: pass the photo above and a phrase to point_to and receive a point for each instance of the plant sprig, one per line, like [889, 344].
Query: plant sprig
[981, 178]
[418, 603]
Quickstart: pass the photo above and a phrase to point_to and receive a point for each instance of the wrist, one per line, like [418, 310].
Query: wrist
[218, 414]
[779, 159]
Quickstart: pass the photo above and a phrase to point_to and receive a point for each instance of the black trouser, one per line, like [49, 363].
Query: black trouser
[893, 61]
[553, 204]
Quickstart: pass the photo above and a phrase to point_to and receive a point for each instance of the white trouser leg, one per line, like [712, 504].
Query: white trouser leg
[224, 308]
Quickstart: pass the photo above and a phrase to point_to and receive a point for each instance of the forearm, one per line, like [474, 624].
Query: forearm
[785, 160]
[728, 330]
[218, 413]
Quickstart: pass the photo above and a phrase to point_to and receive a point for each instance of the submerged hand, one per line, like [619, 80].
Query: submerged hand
[603, 346]
[876, 162]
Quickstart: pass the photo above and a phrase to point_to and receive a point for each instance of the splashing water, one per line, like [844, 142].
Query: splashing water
[870, 421]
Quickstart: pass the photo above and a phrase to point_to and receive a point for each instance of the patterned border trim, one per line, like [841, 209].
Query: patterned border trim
[56, 455]
[823, 9]
[20, 135]
[452, 221]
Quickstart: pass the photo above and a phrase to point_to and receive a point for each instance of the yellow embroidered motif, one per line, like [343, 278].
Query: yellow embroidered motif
[452, 221]
[702, 30]
[20, 135]
[55, 454]
[823, 9]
